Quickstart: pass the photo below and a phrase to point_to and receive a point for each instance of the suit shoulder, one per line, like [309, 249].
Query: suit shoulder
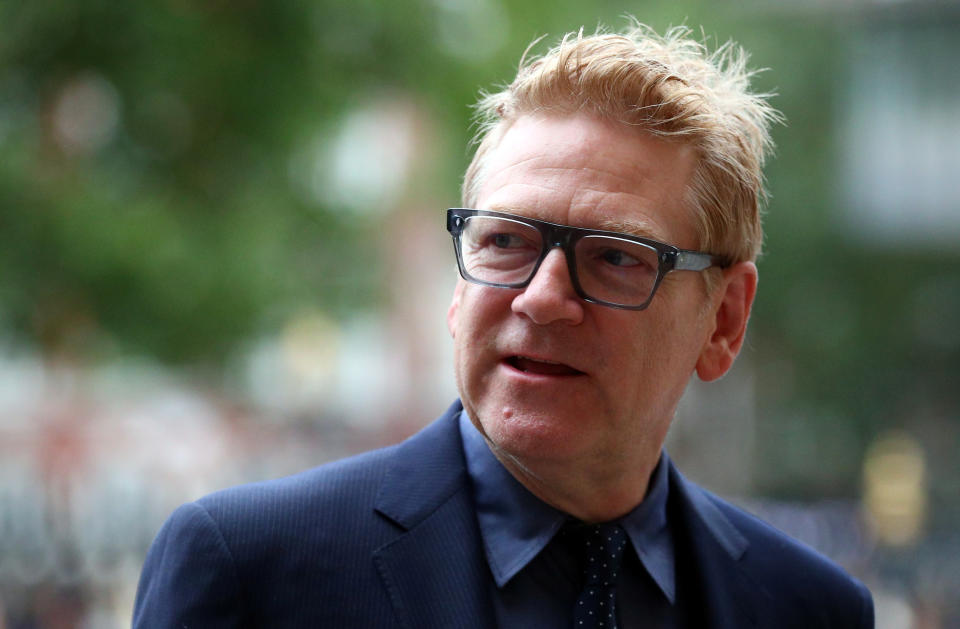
[273, 549]
[788, 570]
[217, 561]
[774, 543]
[340, 484]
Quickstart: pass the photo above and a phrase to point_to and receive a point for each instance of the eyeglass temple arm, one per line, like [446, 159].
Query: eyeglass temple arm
[694, 261]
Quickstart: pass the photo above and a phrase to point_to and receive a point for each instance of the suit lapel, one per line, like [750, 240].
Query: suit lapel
[434, 570]
[712, 547]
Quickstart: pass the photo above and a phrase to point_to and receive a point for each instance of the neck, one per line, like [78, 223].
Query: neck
[592, 492]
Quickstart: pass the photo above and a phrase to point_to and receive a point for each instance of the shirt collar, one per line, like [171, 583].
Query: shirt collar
[516, 525]
[649, 531]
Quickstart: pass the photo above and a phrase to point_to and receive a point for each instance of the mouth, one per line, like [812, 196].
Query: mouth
[541, 367]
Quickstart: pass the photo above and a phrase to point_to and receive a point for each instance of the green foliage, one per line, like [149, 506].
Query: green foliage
[178, 233]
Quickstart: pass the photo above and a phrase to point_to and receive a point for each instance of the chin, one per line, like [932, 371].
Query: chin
[534, 435]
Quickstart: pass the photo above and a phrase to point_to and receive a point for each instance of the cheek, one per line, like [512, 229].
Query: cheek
[480, 307]
[650, 354]
[676, 350]
[453, 312]
[474, 322]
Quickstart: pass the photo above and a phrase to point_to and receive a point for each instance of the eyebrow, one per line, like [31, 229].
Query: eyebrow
[640, 228]
[630, 227]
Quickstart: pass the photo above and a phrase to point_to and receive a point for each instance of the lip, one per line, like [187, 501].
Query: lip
[532, 365]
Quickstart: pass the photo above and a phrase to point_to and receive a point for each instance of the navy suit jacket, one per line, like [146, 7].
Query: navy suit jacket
[390, 539]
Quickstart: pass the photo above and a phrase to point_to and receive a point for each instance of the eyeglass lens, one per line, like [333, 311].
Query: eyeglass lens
[503, 251]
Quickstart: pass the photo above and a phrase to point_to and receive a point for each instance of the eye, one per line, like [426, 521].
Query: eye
[618, 257]
[603, 255]
[507, 241]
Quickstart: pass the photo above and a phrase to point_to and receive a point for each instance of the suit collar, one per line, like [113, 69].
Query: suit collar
[702, 506]
[434, 569]
[426, 470]
[713, 548]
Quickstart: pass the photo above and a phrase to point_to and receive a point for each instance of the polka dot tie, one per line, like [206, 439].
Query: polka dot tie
[596, 606]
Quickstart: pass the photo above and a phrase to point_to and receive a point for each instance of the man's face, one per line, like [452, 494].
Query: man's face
[545, 376]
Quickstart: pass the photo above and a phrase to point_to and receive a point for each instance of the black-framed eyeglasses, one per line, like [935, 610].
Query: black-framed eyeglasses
[609, 268]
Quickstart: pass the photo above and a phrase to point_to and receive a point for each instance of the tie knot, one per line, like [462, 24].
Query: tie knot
[605, 544]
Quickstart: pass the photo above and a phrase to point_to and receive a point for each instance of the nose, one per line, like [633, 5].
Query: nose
[550, 296]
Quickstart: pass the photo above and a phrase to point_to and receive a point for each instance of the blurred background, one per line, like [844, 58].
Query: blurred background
[223, 259]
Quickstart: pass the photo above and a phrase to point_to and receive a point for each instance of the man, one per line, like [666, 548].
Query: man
[607, 254]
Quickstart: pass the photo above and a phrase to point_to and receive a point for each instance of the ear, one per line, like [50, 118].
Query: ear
[454, 308]
[731, 311]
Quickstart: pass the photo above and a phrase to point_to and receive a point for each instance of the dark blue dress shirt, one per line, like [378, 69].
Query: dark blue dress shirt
[537, 575]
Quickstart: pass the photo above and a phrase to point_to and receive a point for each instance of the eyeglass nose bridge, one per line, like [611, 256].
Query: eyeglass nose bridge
[556, 236]
[563, 238]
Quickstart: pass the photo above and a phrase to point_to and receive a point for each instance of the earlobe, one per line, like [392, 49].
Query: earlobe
[738, 288]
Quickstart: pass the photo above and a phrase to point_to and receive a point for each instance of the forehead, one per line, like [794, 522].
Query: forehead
[579, 170]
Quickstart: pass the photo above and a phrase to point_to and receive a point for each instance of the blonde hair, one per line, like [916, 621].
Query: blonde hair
[671, 86]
